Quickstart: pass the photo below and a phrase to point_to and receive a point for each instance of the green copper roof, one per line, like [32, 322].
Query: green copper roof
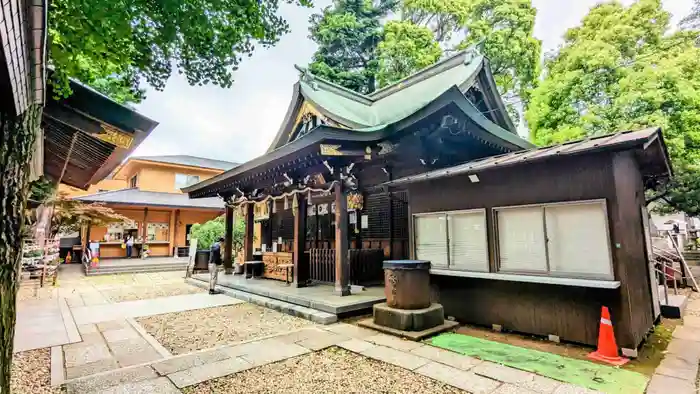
[391, 104]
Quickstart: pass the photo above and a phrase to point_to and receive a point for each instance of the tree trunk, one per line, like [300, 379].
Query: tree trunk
[16, 148]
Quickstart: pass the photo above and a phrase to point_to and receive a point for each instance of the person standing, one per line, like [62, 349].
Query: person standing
[214, 263]
[129, 245]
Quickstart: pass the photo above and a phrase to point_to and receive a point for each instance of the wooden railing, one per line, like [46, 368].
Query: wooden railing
[365, 265]
[322, 265]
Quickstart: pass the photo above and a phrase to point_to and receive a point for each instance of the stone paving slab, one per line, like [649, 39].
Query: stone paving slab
[393, 342]
[80, 354]
[503, 373]
[153, 386]
[350, 330]
[44, 323]
[678, 368]
[541, 384]
[356, 345]
[108, 364]
[662, 384]
[507, 388]
[464, 380]
[322, 340]
[568, 388]
[155, 306]
[395, 357]
[97, 383]
[270, 351]
[209, 371]
[446, 357]
[181, 363]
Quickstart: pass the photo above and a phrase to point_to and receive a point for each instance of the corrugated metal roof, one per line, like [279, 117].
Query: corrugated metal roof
[605, 142]
[192, 161]
[143, 197]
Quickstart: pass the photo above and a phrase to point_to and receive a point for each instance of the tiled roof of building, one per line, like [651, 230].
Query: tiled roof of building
[192, 161]
[621, 140]
[142, 197]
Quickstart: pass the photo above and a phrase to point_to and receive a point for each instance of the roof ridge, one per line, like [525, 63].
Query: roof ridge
[420, 75]
[102, 193]
[311, 77]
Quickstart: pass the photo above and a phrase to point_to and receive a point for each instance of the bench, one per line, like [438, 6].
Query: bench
[252, 267]
[289, 270]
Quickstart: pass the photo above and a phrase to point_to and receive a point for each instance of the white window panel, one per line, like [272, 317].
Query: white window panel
[578, 242]
[468, 243]
[521, 239]
[431, 239]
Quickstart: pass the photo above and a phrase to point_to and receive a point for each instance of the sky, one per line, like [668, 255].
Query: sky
[237, 124]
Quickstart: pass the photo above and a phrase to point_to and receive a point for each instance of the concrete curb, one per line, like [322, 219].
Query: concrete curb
[165, 353]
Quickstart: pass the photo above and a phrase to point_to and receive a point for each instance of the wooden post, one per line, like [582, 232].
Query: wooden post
[301, 265]
[144, 231]
[342, 264]
[171, 231]
[228, 242]
[248, 238]
[177, 224]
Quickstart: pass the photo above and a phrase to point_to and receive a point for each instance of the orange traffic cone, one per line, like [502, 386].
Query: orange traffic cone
[607, 347]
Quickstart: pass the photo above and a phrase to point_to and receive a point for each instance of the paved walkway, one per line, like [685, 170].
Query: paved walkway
[678, 371]
[156, 306]
[472, 375]
[43, 323]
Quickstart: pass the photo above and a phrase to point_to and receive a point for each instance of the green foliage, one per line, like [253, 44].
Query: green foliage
[348, 34]
[208, 233]
[41, 189]
[621, 70]
[112, 46]
[405, 49]
[502, 28]
[444, 17]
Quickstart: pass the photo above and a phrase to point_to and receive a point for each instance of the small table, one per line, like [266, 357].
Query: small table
[252, 266]
[288, 272]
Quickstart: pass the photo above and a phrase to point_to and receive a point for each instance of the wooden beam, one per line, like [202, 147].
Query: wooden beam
[228, 241]
[301, 264]
[68, 155]
[342, 264]
[248, 238]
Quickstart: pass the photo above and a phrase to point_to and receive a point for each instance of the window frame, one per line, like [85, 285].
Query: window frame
[134, 181]
[188, 181]
[482, 211]
[548, 273]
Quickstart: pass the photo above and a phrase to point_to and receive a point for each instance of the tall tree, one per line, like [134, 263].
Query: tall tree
[692, 20]
[348, 35]
[504, 29]
[622, 69]
[405, 49]
[113, 46]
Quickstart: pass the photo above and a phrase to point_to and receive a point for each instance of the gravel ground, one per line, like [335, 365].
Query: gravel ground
[184, 332]
[31, 373]
[333, 370]
[133, 293]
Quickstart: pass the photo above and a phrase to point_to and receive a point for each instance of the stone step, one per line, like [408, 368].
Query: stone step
[135, 269]
[674, 307]
[314, 315]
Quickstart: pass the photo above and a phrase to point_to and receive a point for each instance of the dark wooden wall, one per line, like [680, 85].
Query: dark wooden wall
[570, 312]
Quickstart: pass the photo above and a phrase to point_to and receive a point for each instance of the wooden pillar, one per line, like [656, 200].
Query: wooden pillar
[342, 264]
[228, 242]
[175, 234]
[171, 231]
[248, 238]
[144, 230]
[301, 264]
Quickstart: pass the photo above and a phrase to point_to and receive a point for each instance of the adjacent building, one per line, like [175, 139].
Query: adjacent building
[146, 189]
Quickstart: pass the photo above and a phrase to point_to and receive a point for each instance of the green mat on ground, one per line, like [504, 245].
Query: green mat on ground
[579, 372]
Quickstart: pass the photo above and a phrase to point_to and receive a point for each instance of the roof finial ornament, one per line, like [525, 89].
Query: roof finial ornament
[475, 50]
[309, 78]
